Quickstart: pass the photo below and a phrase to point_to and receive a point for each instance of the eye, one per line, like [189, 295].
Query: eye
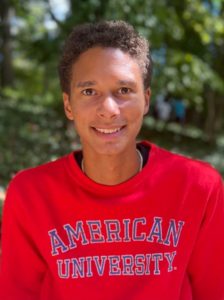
[89, 92]
[124, 90]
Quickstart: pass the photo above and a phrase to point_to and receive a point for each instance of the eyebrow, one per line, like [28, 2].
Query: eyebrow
[127, 82]
[83, 84]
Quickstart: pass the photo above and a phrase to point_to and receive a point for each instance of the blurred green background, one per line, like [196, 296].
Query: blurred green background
[187, 42]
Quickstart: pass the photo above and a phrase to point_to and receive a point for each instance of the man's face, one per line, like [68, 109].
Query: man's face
[107, 101]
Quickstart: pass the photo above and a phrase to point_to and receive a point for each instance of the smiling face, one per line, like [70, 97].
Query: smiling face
[107, 100]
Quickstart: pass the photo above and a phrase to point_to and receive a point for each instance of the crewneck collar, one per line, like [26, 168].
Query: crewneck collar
[124, 187]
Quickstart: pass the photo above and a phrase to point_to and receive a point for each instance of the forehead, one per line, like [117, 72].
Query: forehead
[113, 62]
[101, 53]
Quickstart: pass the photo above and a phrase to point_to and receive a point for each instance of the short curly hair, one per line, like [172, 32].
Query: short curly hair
[106, 34]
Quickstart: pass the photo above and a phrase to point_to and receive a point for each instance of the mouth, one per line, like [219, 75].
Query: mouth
[108, 131]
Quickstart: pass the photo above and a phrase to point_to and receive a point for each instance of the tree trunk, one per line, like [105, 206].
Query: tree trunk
[211, 116]
[219, 122]
[6, 49]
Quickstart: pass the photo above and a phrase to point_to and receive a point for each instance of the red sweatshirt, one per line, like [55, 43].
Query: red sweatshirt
[159, 235]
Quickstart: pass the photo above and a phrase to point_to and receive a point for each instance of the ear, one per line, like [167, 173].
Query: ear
[67, 106]
[147, 94]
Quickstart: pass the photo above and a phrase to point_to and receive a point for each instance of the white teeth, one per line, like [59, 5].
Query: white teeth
[108, 130]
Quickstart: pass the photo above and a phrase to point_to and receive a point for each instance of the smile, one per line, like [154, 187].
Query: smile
[108, 131]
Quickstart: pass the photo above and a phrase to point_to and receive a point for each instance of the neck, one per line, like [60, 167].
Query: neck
[111, 169]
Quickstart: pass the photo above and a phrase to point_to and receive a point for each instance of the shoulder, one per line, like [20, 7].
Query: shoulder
[182, 168]
[39, 174]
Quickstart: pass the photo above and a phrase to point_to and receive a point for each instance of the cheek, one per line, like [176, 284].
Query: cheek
[78, 110]
[135, 111]
[82, 117]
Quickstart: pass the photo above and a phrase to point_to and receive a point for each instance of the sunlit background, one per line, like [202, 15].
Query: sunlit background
[187, 109]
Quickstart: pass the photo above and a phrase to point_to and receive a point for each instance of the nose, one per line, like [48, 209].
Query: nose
[108, 107]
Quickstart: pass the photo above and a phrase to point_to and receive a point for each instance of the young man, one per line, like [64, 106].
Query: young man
[117, 220]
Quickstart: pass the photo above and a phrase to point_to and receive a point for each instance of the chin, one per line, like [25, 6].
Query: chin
[116, 148]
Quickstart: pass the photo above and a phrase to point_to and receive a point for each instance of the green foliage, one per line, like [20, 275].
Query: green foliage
[31, 134]
[187, 39]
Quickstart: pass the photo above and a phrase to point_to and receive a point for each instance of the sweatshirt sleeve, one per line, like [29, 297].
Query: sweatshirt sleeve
[22, 267]
[206, 267]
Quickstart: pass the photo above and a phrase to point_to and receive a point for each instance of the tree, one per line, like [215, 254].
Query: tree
[6, 46]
